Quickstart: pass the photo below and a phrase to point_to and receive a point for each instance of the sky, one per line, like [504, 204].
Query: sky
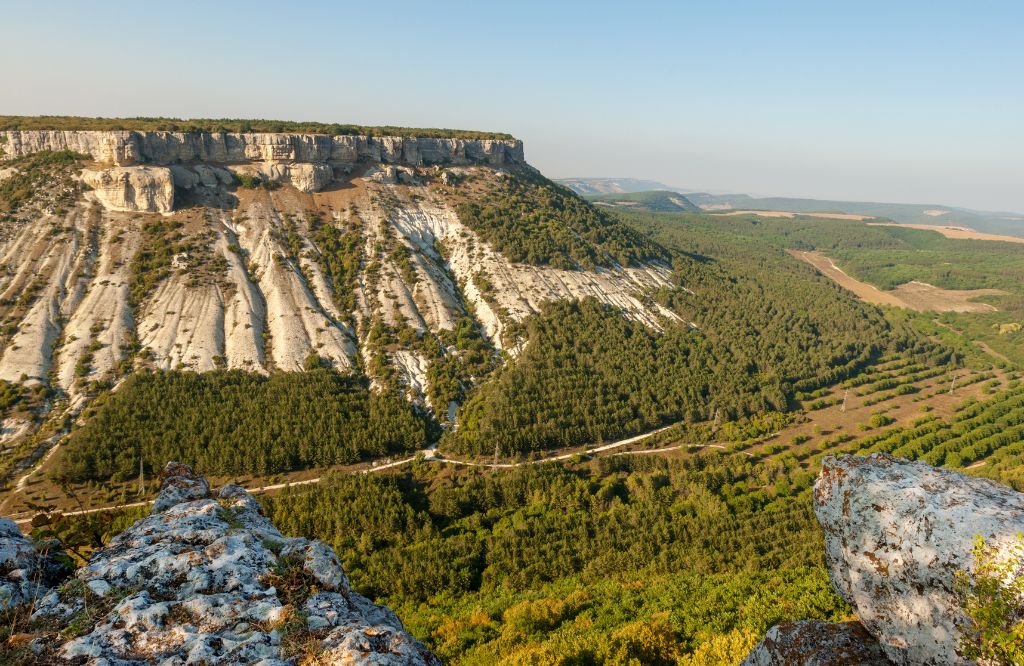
[906, 101]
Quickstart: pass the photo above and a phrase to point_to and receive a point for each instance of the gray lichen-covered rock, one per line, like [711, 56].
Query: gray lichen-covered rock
[133, 189]
[26, 572]
[896, 533]
[817, 644]
[207, 579]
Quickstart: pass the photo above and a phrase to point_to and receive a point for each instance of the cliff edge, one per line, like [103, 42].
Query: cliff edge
[129, 147]
[206, 579]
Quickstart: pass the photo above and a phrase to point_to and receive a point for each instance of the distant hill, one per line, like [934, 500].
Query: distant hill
[588, 186]
[991, 222]
[988, 221]
[658, 201]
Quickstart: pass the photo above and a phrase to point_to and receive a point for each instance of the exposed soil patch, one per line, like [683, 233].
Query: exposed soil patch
[928, 298]
[788, 214]
[956, 233]
[914, 295]
[864, 291]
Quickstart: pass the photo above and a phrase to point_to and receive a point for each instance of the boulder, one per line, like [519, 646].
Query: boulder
[307, 177]
[200, 175]
[184, 177]
[386, 175]
[135, 189]
[817, 644]
[303, 176]
[207, 578]
[26, 572]
[896, 534]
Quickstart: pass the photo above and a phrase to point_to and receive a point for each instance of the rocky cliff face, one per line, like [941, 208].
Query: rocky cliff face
[85, 291]
[896, 534]
[147, 189]
[123, 148]
[206, 579]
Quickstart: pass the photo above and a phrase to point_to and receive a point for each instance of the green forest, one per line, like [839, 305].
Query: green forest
[764, 328]
[887, 256]
[543, 564]
[624, 559]
[232, 422]
[532, 220]
[755, 328]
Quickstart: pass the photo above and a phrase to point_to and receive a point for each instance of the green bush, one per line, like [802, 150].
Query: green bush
[992, 597]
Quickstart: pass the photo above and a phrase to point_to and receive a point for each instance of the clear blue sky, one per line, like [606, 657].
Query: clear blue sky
[892, 101]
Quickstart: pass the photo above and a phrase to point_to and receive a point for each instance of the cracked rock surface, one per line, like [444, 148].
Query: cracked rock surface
[207, 579]
[817, 644]
[896, 535]
[26, 573]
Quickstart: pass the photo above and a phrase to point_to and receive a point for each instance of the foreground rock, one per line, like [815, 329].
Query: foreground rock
[817, 644]
[896, 533]
[207, 579]
[26, 573]
[133, 189]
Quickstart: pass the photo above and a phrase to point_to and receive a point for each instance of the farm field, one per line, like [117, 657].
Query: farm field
[790, 215]
[956, 233]
[919, 296]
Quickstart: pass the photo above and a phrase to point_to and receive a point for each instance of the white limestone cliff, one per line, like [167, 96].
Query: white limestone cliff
[137, 188]
[134, 147]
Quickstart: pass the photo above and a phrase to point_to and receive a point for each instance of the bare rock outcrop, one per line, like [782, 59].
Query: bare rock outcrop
[26, 571]
[207, 579]
[817, 644]
[896, 533]
[306, 177]
[134, 147]
[138, 188]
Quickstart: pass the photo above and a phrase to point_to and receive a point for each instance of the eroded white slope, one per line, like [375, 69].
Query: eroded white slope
[51, 269]
[262, 308]
[244, 313]
[517, 290]
[296, 321]
[100, 321]
[183, 325]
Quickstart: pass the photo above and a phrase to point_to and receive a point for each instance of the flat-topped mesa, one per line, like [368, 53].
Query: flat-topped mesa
[129, 147]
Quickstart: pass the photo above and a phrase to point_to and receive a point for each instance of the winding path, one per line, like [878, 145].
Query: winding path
[428, 455]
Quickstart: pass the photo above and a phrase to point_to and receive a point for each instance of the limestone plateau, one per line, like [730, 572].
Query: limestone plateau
[249, 289]
[204, 579]
[896, 534]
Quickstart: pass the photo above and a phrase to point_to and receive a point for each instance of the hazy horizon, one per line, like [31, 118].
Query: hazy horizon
[916, 103]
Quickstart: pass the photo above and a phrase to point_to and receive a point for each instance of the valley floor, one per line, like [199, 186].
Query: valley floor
[918, 296]
[830, 419]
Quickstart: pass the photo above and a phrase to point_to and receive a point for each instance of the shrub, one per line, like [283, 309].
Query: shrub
[992, 597]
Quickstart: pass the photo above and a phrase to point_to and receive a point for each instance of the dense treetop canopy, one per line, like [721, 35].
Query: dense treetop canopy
[142, 124]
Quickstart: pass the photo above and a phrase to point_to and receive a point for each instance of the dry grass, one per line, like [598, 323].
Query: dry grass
[919, 296]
